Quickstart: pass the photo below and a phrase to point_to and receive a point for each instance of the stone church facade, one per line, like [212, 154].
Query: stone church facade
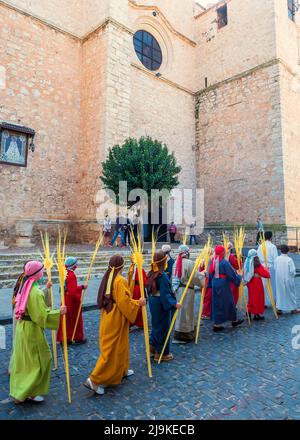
[220, 86]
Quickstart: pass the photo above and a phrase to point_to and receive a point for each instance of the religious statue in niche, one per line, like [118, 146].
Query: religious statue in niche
[14, 144]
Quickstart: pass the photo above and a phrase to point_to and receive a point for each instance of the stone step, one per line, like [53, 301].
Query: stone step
[81, 262]
[82, 270]
[81, 255]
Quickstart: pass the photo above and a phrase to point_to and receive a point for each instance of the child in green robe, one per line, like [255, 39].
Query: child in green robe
[31, 360]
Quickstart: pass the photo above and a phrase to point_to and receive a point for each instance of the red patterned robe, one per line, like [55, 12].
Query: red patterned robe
[136, 295]
[256, 293]
[73, 294]
[208, 294]
[234, 289]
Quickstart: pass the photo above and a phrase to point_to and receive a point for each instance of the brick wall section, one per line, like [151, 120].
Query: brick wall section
[167, 114]
[290, 103]
[287, 35]
[93, 111]
[179, 13]
[117, 123]
[42, 92]
[84, 96]
[238, 138]
[65, 14]
[247, 41]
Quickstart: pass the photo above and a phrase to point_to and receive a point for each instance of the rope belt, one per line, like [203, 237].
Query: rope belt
[156, 293]
[256, 275]
[26, 318]
[184, 285]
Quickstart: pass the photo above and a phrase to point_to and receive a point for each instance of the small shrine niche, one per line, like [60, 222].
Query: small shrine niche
[15, 141]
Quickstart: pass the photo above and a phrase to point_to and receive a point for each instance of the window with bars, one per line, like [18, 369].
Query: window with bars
[147, 50]
[222, 17]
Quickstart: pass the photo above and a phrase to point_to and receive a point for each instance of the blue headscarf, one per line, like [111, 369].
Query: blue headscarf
[249, 266]
[71, 262]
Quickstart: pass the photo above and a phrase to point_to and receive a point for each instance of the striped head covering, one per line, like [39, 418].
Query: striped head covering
[105, 298]
[249, 266]
[184, 252]
[71, 263]
[157, 268]
[218, 256]
[34, 271]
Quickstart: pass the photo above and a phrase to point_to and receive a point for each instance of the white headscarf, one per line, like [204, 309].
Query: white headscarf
[249, 266]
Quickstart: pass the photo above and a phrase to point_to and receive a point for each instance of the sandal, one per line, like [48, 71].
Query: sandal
[97, 389]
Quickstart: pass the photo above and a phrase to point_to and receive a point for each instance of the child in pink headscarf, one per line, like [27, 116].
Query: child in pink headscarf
[31, 359]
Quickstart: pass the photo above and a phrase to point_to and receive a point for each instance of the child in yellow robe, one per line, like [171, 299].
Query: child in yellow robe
[118, 310]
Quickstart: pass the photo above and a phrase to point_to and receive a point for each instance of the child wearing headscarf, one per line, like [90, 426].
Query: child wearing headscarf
[73, 294]
[118, 310]
[31, 360]
[206, 313]
[254, 271]
[163, 304]
[166, 248]
[223, 307]
[17, 287]
[185, 326]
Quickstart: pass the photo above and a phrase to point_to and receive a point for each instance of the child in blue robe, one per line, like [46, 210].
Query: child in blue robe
[223, 307]
[163, 304]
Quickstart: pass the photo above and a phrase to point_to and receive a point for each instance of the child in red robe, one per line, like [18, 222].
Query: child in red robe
[208, 292]
[254, 271]
[133, 281]
[73, 294]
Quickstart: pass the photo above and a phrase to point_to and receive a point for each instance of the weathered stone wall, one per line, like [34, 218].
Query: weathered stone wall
[178, 51]
[290, 105]
[288, 50]
[180, 14]
[240, 164]
[75, 16]
[65, 14]
[167, 114]
[42, 91]
[93, 117]
[83, 95]
[247, 41]
[287, 35]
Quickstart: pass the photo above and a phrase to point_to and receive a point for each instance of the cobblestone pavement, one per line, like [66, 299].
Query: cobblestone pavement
[246, 373]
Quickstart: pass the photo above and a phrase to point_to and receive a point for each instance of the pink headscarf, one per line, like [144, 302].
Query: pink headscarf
[34, 270]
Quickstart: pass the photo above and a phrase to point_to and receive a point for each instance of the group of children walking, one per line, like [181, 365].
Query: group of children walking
[121, 303]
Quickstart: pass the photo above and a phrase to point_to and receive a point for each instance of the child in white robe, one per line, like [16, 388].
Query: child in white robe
[286, 300]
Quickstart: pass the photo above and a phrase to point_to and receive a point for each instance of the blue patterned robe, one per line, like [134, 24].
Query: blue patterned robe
[162, 308]
[223, 307]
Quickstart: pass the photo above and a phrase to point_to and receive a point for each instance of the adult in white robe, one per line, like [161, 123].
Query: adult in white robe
[286, 300]
[185, 325]
[272, 254]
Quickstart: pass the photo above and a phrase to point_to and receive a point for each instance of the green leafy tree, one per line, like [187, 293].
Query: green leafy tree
[144, 163]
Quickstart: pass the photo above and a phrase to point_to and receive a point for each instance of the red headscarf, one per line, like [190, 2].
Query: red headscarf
[184, 252]
[218, 256]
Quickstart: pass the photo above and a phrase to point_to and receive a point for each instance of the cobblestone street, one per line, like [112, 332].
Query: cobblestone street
[247, 373]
